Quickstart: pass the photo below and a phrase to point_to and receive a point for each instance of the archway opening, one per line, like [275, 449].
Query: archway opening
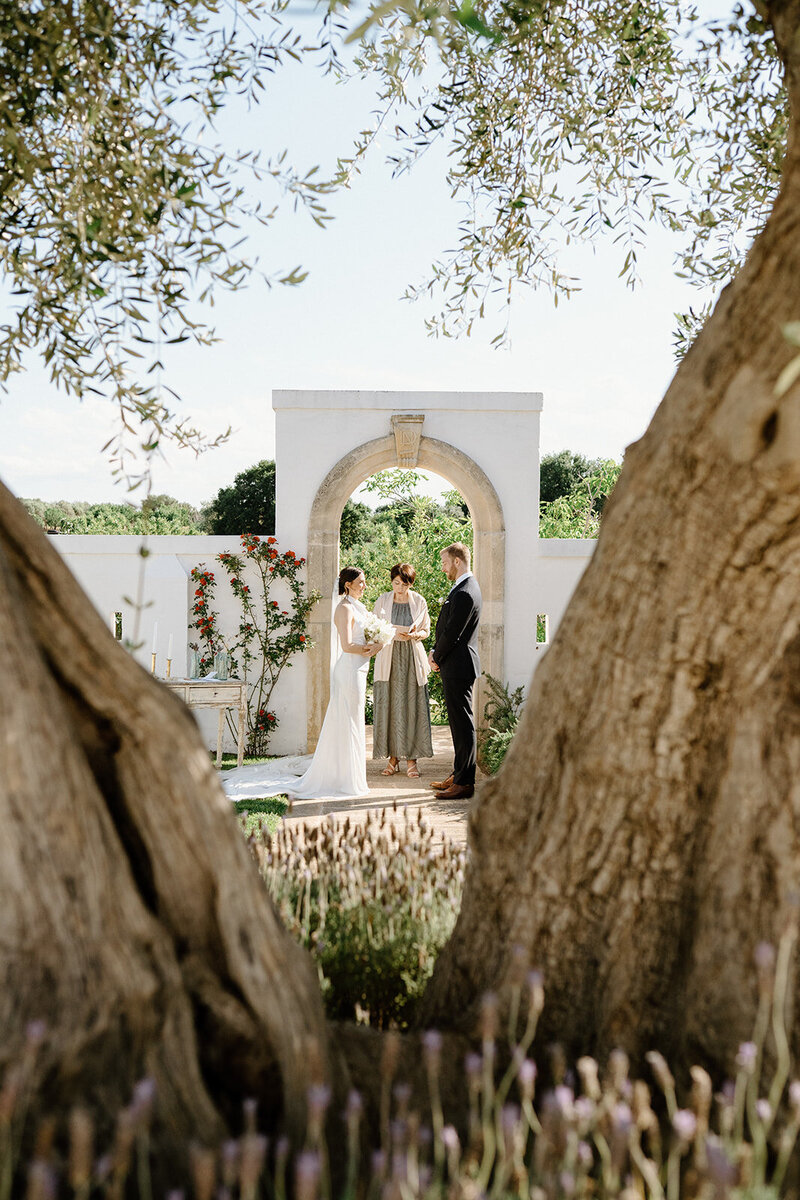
[342, 481]
[405, 516]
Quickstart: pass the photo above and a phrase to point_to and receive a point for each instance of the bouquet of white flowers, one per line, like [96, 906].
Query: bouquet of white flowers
[377, 630]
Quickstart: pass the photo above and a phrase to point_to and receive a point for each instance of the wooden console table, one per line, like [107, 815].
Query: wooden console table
[232, 693]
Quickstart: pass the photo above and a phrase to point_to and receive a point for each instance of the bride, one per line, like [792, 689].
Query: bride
[338, 768]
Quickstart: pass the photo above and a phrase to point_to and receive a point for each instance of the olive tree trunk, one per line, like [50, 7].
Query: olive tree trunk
[132, 918]
[643, 834]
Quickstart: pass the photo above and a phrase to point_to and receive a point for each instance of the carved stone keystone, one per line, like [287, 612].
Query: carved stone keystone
[407, 429]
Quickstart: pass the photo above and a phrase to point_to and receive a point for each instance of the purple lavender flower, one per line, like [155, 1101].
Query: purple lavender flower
[103, 1167]
[35, 1033]
[527, 1077]
[400, 1166]
[721, 1171]
[747, 1056]
[764, 957]
[567, 1182]
[144, 1095]
[473, 1065]
[450, 1138]
[41, 1181]
[230, 1162]
[764, 1111]
[684, 1123]
[564, 1098]
[432, 1049]
[509, 1119]
[354, 1106]
[319, 1096]
[584, 1110]
[307, 1170]
[585, 1157]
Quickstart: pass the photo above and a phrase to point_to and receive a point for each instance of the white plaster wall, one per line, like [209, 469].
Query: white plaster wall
[159, 588]
[558, 566]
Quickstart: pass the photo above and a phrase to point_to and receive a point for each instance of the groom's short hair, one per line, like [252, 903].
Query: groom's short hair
[459, 550]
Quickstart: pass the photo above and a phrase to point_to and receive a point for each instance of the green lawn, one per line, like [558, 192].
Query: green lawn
[267, 811]
[229, 760]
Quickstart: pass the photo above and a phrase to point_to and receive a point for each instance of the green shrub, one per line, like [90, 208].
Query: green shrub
[373, 903]
[493, 750]
[501, 715]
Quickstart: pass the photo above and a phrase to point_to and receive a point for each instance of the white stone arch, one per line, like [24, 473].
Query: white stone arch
[323, 551]
[485, 443]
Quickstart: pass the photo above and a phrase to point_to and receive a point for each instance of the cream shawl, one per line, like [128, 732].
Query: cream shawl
[420, 623]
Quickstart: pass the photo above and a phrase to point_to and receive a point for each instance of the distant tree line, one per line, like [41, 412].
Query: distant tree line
[573, 489]
[246, 506]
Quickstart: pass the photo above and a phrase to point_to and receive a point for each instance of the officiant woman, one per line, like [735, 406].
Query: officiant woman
[402, 715]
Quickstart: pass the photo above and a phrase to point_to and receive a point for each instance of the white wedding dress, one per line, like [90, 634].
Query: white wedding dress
[338, 769]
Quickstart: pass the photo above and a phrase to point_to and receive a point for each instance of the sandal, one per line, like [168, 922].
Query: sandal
[413, 771]
[391, 768]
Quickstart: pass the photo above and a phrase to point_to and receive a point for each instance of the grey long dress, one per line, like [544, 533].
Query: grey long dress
[402, 715]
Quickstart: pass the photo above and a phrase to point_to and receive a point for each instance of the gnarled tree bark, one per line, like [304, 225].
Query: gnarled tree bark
[644, 833]
[132, 918]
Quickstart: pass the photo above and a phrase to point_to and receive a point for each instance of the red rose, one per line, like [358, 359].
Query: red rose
[302, 638]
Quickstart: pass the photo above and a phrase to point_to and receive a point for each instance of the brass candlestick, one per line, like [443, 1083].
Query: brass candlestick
[153, 663]
[169, 668]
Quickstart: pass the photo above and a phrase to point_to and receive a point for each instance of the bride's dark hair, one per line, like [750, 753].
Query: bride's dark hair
[348, 575]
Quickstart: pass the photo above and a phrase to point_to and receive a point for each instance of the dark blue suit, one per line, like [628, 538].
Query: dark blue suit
[456, 655]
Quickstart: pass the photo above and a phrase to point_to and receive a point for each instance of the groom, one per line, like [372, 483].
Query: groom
[455, 655]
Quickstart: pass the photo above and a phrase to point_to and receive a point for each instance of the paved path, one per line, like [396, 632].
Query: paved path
[398, 793]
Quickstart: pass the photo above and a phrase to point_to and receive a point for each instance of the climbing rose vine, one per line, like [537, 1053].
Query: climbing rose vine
[269, 633]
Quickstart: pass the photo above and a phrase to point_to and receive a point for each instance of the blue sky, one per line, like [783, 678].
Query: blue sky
[602, 359]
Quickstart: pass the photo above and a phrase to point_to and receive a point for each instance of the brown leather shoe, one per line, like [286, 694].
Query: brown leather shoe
[444, 785]
[457, 792]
